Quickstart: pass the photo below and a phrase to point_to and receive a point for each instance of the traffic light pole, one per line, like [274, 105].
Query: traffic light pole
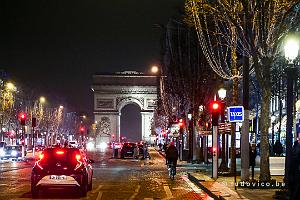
[215, 152]
[23, 139]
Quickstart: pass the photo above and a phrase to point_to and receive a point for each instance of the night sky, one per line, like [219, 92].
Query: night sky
[54, 46]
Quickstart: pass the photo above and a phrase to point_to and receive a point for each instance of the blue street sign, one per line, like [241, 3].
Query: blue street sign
[236, 113]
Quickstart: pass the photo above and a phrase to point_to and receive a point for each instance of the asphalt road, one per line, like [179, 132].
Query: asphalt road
[113, 179]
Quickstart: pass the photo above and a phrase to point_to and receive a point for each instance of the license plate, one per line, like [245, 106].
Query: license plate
[129, 152]
[54, 177]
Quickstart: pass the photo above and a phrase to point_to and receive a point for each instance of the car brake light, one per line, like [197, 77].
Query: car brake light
[79, 163]
[60, 152]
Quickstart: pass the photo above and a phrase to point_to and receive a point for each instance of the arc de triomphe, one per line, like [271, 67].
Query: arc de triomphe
[114, 91]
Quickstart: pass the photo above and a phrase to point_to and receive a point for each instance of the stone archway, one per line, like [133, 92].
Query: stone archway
[114, 91]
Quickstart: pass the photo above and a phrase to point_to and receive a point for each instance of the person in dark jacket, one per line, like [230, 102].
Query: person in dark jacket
[172, 154]
[294, 171]
[252, 156]
[277, 148]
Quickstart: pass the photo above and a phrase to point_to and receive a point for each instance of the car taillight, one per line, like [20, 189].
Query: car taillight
[41, 157]
[59, 152]
[79, 163]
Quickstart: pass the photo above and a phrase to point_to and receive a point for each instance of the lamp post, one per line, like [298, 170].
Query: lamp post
[291, 49]
[222, 96]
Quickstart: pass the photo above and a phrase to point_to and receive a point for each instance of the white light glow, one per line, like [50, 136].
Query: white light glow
[14, 153]
[291, 49]
[103, 145]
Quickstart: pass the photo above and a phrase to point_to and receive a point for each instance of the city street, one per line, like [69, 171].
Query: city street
[113, 179]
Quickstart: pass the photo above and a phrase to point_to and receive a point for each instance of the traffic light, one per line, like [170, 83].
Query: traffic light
[181, 123]
[214, 151]
[215, 112]
[81, 129]
[22, 118]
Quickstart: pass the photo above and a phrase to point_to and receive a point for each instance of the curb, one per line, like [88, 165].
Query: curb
[197, 182]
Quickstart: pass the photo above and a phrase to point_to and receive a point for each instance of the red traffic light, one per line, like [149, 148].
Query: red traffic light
[82, 129]
[181, 123]
[215, 106]
[22, 116]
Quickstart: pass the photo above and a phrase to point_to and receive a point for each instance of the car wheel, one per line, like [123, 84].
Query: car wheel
[34, 193]
[90, 186]
[84, 188]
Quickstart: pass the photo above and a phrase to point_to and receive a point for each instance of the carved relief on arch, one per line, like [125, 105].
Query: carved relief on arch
[122, 101]
[104, 126]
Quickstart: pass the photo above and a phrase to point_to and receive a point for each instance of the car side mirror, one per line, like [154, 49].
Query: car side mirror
[91, 161]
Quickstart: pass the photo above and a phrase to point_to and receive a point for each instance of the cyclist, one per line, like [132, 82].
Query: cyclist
[172, 155]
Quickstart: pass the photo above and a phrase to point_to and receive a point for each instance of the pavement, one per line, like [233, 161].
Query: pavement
[224, 186]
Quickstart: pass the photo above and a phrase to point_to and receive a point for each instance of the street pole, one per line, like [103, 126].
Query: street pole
[223, 165]
[33, 138]
[23, 139]
[215, 152]
[291, 71]
[191, 138]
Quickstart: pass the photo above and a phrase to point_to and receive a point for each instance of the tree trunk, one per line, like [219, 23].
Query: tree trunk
[233, 150]
[264, 138]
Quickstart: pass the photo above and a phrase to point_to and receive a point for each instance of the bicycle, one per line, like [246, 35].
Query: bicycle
[172, 170]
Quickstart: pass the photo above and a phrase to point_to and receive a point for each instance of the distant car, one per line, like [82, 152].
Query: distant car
[60, 168]
[128, 149]
[73, 144]
[2, 149]
[117, 145]
[13, 151]
[39, 148]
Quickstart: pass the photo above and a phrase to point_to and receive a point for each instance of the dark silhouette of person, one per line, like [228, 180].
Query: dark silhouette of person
[277, 148]
[294, 171]
[252, 156]
[172, 154]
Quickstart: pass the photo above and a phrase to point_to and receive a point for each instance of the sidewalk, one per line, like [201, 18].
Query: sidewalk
[224, 187]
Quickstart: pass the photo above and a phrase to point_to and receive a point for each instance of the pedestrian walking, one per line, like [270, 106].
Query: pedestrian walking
[277, 148]
[252, 156]
[294, 171]
[136, 152]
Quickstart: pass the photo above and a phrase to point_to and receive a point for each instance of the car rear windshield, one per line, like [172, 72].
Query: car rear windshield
[62, 155]
[129, 144]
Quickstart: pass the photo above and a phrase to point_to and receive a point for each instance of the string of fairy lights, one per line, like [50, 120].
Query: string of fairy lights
[219, 43]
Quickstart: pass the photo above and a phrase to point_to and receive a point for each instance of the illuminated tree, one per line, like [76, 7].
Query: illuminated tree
[260, 27]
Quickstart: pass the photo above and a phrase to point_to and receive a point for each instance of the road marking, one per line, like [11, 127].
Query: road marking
[192, 185]
[99, 196]
[97, 189]
[168, 192]
[135, 192]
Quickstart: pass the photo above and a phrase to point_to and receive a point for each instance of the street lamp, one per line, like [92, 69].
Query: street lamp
[154, 69]
[291, 49]
[222, 96]
[10, 86]
[42, 99]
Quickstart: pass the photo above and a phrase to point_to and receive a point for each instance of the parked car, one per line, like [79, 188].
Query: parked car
[62, 167]
[13, 151]
[2, 149]
[128, 149]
